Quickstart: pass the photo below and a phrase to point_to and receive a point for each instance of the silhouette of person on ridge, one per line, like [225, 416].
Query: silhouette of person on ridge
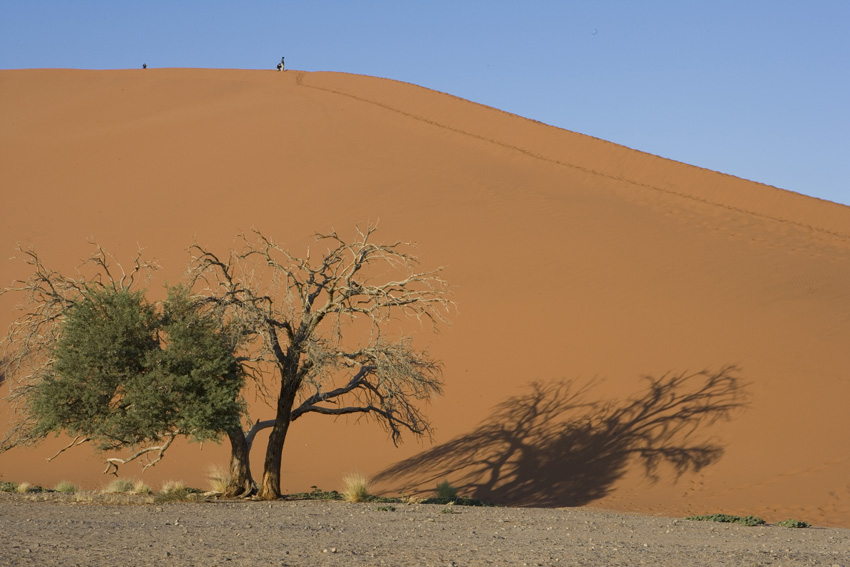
[280, 65]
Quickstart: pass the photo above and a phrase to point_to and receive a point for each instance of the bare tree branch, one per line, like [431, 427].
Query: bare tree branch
[77, 441]
[256, 428]
[114, 462]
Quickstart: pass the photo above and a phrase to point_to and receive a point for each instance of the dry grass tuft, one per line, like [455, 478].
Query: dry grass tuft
[119, 486]
[355, 488]
[27, 488]
[66, 487]
[127, 486]
[171, 486]
[218, 478]
[139, 487]
[177, 491]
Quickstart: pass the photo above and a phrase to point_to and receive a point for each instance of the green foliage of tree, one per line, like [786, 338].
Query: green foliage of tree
[94, 359]
[125, 375]
[97, 387]
[196, 370]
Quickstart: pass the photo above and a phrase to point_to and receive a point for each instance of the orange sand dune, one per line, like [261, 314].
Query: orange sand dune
[580, 268]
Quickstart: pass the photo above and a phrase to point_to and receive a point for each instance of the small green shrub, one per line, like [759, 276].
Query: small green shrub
[66, 487]
[27, 488]
[790, 523]
[8, 486]
[445, 491]
[459, 501]
[315, 494]
[729, 519]
[319, 494]
[385, 508]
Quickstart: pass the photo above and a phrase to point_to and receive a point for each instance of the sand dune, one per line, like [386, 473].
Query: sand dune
[583, 271]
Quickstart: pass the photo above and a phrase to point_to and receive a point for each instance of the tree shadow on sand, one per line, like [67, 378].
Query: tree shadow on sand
[556, 447]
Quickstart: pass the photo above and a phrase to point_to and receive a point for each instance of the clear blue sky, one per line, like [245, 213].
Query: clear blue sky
[757, 89]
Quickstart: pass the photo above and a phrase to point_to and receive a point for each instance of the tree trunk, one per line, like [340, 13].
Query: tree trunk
[270, 488]
[241, 482]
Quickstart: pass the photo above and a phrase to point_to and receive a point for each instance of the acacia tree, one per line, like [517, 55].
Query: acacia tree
[30, 344]
[321, 326]
[93, 359]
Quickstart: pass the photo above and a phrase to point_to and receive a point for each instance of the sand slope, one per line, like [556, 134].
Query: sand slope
[581, 268]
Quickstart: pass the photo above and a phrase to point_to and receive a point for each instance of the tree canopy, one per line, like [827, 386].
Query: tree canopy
[320, 325]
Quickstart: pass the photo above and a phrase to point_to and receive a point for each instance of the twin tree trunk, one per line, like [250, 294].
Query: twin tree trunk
[242, 483]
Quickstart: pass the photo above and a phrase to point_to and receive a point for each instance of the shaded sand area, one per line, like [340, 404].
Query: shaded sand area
[594, 283]
[314, 533]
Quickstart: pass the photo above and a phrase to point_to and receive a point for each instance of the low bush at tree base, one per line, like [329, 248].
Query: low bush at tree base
[729, 519]
[791, 523]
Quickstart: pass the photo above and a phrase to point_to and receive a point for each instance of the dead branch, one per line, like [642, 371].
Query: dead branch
[113, 463]
[300, 293]
[78, 440]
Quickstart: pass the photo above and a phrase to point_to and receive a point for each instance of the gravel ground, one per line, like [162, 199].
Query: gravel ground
[56, 531]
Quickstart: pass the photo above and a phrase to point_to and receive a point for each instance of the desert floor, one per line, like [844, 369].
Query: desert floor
[58, 531]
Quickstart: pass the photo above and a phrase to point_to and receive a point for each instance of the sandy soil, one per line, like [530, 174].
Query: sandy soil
[580, 268]
[314, 533]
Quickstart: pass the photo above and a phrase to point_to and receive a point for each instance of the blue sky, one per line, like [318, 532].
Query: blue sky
[757, 89]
